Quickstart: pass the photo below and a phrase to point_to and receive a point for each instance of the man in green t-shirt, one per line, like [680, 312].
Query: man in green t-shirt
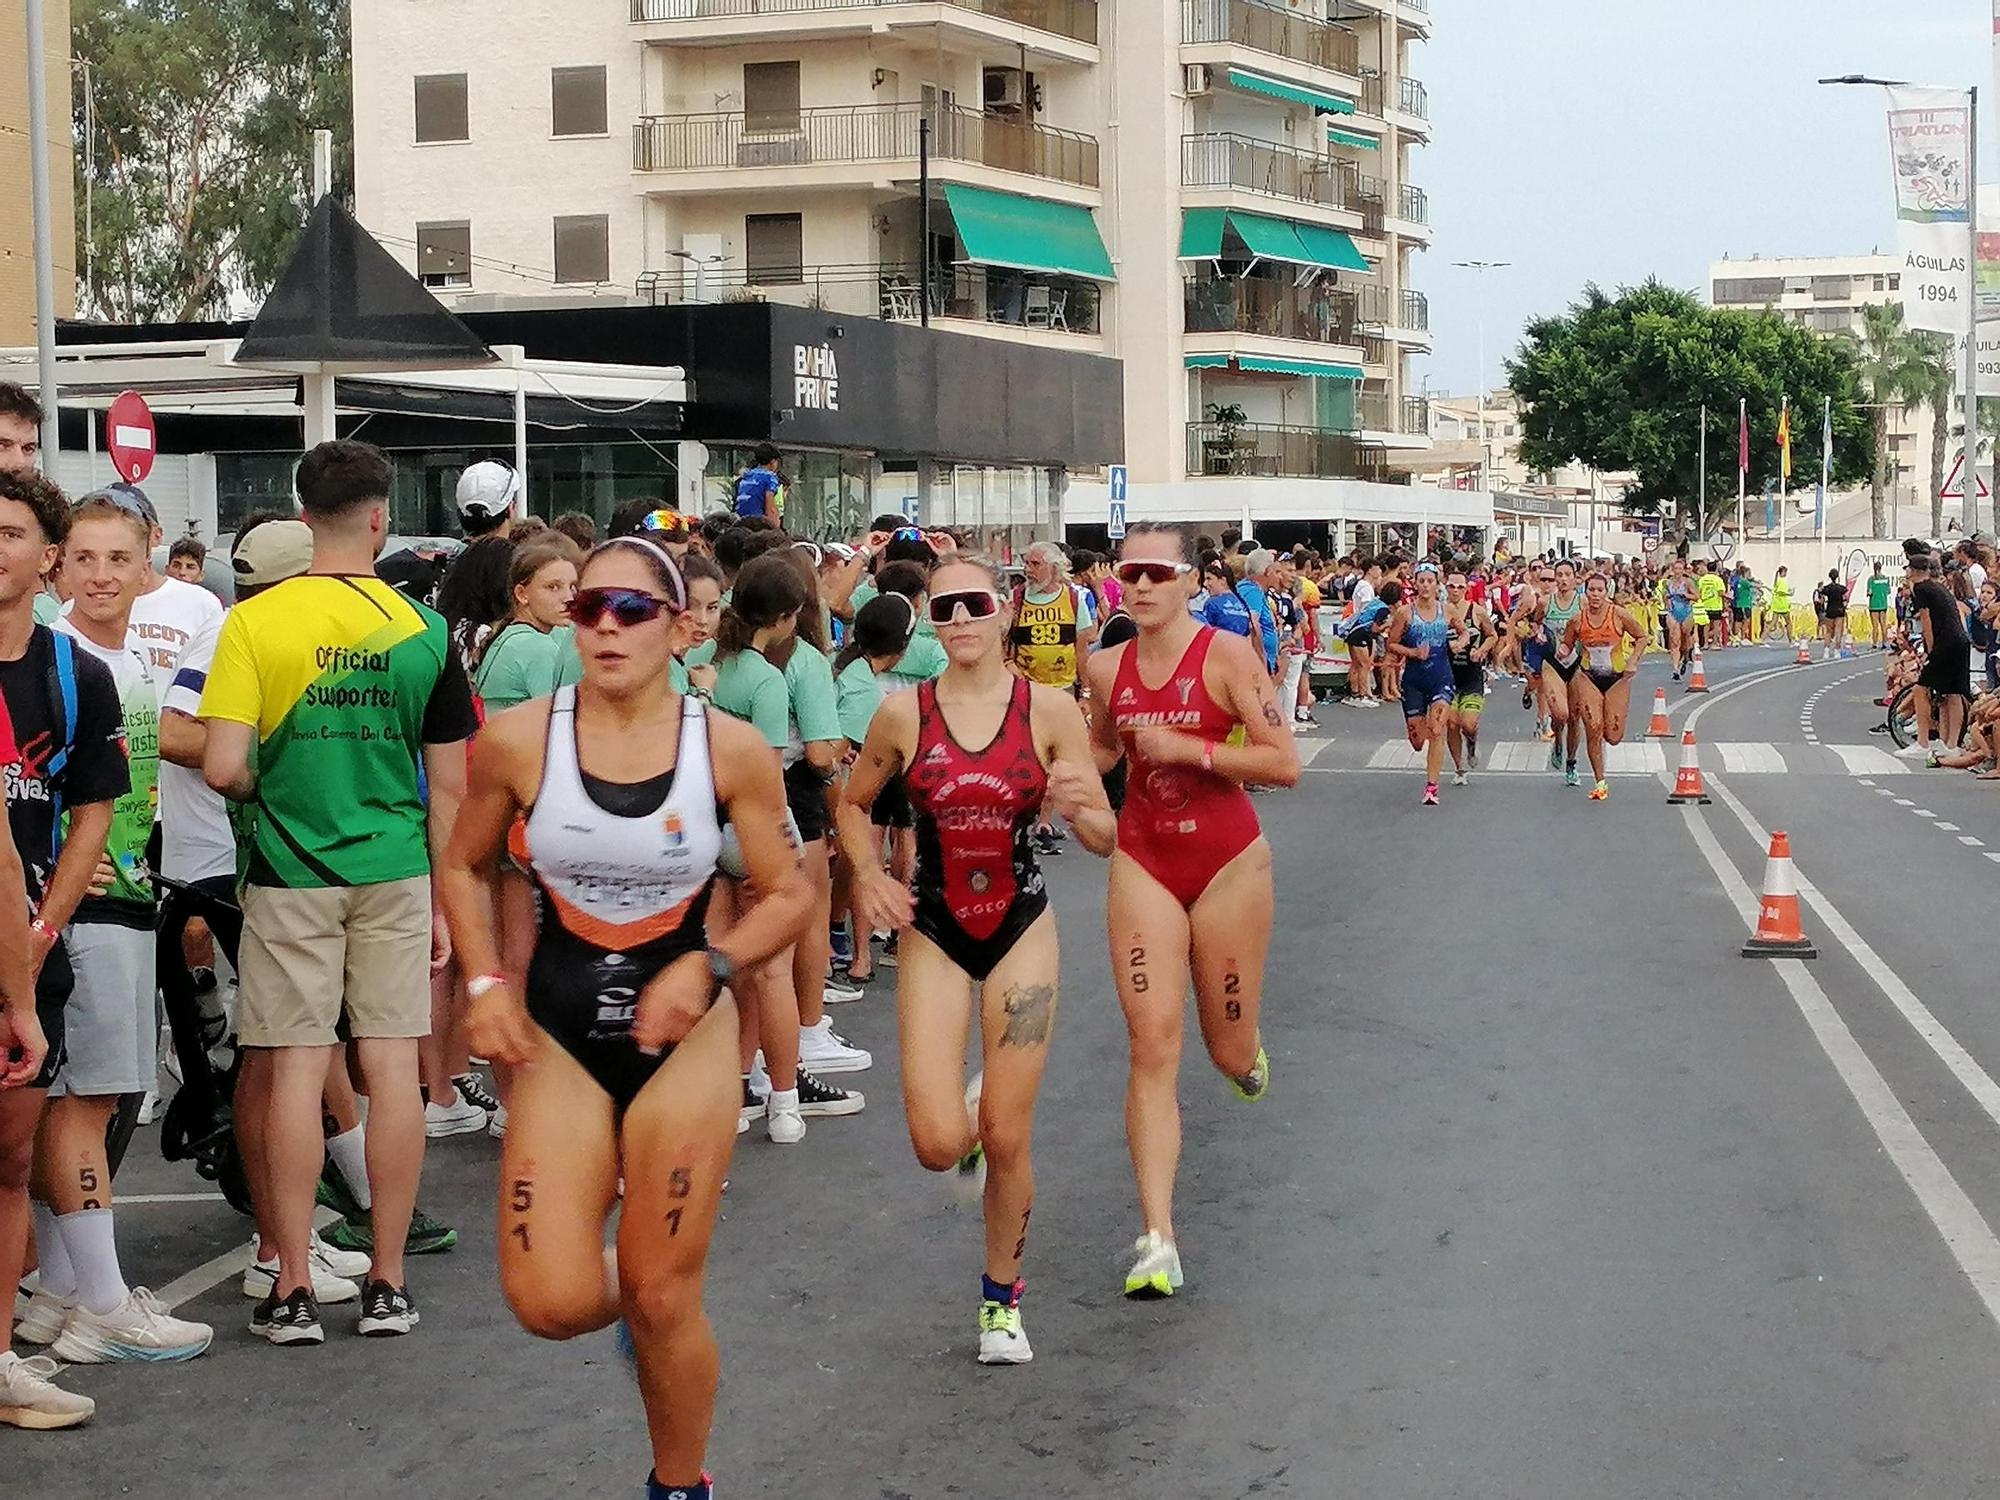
[1878, 608]
[357, 709]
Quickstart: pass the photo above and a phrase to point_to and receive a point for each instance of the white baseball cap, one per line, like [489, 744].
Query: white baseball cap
[487, 490]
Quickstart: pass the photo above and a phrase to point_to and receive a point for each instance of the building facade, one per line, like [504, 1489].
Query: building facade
[1216, 192]
[17, 219]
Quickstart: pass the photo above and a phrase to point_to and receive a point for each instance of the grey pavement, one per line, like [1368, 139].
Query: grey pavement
[1555, 1197]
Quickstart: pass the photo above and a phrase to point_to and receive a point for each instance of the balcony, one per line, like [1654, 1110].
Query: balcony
[1412, 98]
[1378, 411]
[1416, 312]
[1413, 205]
[844, 135]
[1278, 33]
[1268, 308]
[1222, 160]
[1074, 19]
[1270, 452]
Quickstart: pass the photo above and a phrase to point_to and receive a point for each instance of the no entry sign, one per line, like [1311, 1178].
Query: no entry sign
[131, 437]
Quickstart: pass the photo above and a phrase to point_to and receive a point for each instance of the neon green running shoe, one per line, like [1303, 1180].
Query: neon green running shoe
[426, 1237]
[1002, 1339]
[1157, 1271]
[1254, 1085]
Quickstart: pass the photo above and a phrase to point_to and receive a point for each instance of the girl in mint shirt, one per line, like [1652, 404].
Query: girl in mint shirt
[523, 658]
[880, 638]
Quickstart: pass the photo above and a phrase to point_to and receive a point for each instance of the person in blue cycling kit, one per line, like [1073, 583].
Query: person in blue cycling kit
[1420, 634]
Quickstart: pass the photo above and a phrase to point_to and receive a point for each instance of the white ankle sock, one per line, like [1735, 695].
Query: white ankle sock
[349, 1151]
[93, 1252]
[58, 1276]
[783, 1101]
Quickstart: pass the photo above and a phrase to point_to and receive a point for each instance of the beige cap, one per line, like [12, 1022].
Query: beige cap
[275, 551]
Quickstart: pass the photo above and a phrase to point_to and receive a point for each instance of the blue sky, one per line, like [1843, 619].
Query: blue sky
[1609, 140]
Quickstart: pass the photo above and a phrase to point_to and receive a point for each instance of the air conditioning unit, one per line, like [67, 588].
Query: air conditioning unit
[1006, 90]
[1196, 79]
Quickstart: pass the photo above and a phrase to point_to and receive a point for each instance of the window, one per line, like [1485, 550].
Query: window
[1748, 289]
[1895, 282]
[1831, 319]
[576, 102]
[583, 249]
[1833, 288]
[444, 255]
[771, 96]
[773, 249]
[442, 113]
[1878, 283]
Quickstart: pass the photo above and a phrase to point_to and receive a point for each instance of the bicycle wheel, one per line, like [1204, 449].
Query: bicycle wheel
[1903, 717]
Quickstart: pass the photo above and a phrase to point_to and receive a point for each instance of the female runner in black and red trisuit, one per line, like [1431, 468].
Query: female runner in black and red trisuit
[980, 748]
[1191, 879]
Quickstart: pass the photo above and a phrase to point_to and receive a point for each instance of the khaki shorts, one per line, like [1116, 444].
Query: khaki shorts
[312, 956]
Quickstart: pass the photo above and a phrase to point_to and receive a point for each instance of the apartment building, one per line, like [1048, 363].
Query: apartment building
[17, 220]
[1215, 192]
[1826, 294]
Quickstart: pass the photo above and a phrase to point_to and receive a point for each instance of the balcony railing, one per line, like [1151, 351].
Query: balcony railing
[888, 290]
[1221, 303]
[1414, 205]
[860, 133]
[1075, 19]
[1221, 161]
[1265, 28]
[1416, 416]
[1281, 452]
[1416, 312]
[1412, 98]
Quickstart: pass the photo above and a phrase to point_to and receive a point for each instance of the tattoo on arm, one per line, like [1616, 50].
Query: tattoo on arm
[1030, 1012]
[1271, 715]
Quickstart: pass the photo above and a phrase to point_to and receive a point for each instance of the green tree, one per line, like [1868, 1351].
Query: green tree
[200, 115]
[1619, 383]
[1938, 389]
[1894, 365]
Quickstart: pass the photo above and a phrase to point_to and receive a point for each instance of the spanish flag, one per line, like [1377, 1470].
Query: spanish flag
[1785, 437]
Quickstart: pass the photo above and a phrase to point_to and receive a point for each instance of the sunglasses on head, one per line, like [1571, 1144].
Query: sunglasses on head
[669, 522]
[979, 604]
[1150, 572]
[907, 534]
[627, 606]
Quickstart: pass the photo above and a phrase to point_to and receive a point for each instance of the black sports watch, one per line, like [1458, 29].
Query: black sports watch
[720, 968]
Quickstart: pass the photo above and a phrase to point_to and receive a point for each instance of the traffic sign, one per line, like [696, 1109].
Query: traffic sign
[1954, 487]
[1722, 547]
[1649, 544]
[131, 436]
[910, 507]
[1117, 526]
[1120, 480]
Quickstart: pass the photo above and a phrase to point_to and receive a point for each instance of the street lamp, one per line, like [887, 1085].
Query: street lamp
[1482, 267]
[1971, 284]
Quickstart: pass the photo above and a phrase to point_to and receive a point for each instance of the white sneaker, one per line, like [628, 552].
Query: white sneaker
[140, 1328]
[1913, 752]
[29, 1397]
[1157, 1271]
[496, 1124]
[149, 1107]
[460, 1117]
[332, 1270]
[836, 993]
[43, 1319]
[1458, 778]
[824, 1050]
[783, 1124]
[760, 1080]
[1002, 1339]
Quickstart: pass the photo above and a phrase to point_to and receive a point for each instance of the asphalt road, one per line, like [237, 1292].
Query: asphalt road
[1555, 1197]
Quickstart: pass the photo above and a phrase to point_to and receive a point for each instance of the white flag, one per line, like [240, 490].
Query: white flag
[1928, 141]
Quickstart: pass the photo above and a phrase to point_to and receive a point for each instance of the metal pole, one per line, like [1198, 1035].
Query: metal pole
[1972, 313]
[1701, 479]
[320, 416]
[521, 440]
[45, 255]
[89, 189]
[924, 220]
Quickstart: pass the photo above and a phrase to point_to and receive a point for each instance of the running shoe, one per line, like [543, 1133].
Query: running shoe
[1253, 1086]
[821, 1100]
[1430, 794]
[1601, 792]
[332, 1273]
[888, 953]
[840, 943]
[972, 1166]
[1913, 752]
[294, 1320]
[1458, 778]
[386, 1311]
[825, 1050]
[837, 993]
[42, 1320]
[1935, 762]
[1555, 755]
[753, 1106]
[139, 1329]
[473, 1090]
[333, 1192]
[1570, 778]
[1002, 1339]
[460, 1117]
[1157, 1271]
[30, 1398]
[1046, 842]
[426, 1237]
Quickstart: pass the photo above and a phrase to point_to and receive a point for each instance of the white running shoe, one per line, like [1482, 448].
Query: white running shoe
[1002, 1339]
[332, 1273]
[970, 1180]
[1458, 778]
[460, 1117]
[1913, 752]
[30, 1398]
[1157, 1271]
[496, 1124]
[835, 992]
[140, 1328]
[825, 1050]
[43, 1319]
[783, 1124]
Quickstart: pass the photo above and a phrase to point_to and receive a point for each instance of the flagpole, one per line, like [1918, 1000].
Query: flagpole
[1742, 468]
[1784, 478]
[1701, 483]
[1825, 476]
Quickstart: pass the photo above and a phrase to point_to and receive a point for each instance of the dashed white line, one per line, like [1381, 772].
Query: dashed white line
[1944, 827]
[1970, 842]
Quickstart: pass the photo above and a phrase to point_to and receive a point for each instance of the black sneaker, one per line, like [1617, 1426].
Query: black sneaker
[292, 1320]
[753, 1103]
[818, 1098]
[473, 1090]
[888, 953]
[386, 1311]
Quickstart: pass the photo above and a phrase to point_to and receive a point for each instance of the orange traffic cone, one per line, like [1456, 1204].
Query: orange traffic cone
[1659, 729]
[1778, 933]
[1697, 674]
[1804, 658]
[1687, 784]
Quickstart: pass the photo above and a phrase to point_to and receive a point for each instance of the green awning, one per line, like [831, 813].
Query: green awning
[1271, 239]
[1201, 233]
[1330, 248]
[1262, 365]
[1293, 93]
[1028, 234]
[1349, 138]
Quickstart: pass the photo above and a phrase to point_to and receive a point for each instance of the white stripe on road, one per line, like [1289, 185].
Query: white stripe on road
[212, 1273]
[126, 1200]
[1312, 750]
[1964, 1229]
[1754, 756]
[1869, 760]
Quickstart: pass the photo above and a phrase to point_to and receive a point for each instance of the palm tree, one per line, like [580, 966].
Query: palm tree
[1938, 389]
[1893, 365]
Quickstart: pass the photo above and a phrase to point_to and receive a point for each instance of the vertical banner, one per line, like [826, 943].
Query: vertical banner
[1928, 140]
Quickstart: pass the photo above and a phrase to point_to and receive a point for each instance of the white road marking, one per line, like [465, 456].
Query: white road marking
[1923, 812]
[1396, 756]
[126, 1200]
[1874, 761]
[1970, 842]
[1754, 756]
[213, 1272]
[1311, 750]
[1944, 827]
[1965, 1232]
[1904, 802]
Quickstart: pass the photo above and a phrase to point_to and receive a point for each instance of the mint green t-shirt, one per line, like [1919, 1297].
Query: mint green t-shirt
[860, 692]
[749, 688]
[924, 661]
[48, 608]
[521, 663]
[815, 701]
[569, 666]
